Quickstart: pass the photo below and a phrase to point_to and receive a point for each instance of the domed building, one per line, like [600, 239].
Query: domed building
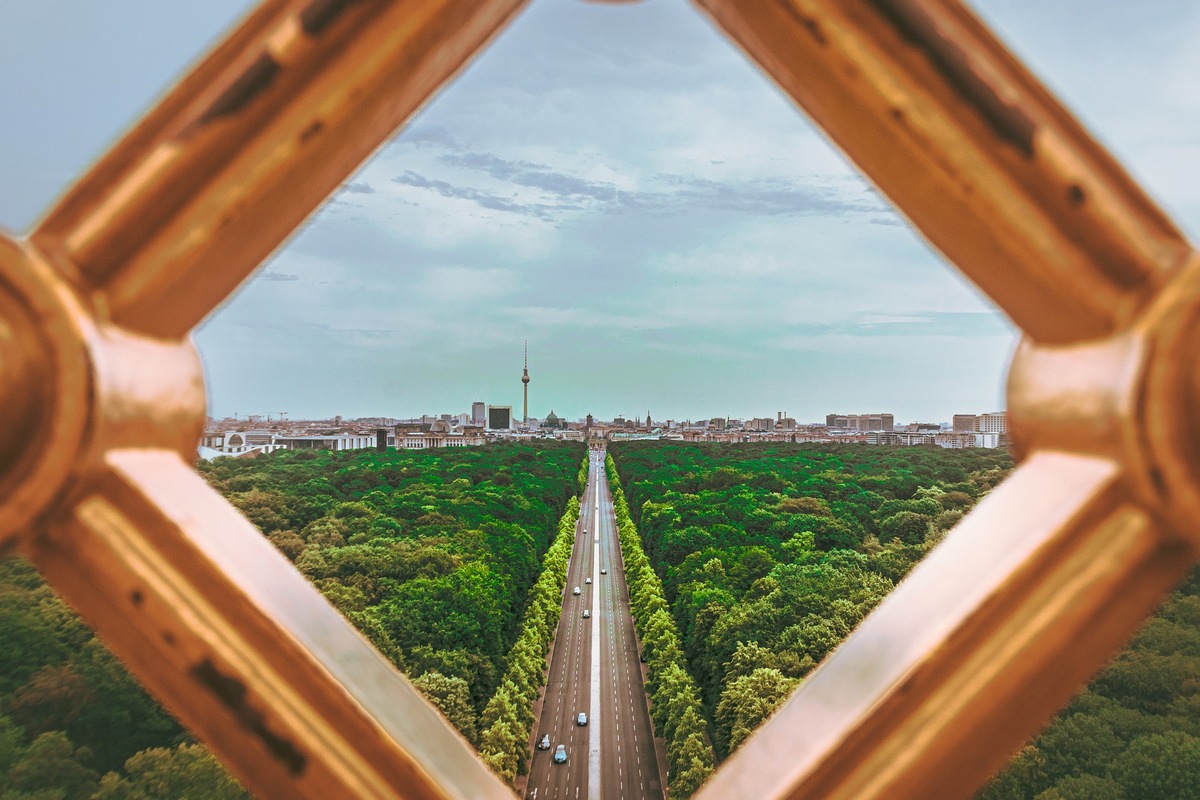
[553, 422]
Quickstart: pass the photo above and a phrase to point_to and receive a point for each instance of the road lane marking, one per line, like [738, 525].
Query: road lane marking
[594, 720]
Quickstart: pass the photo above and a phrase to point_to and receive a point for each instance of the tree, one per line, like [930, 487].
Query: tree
[51, 700]
[748, 701]
[1078, 745]
[188, 770]
[53, 763]
[804, 505]
[452, 696]
[264, 509]
[1024, 777]
[12, 744]
[1162, 766]
[907, 526]
[1084, 787]
[326, 532]
[123, 719]
[691, 766]
[287, 542]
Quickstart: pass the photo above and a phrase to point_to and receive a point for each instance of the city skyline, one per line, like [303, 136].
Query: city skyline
[618, 186]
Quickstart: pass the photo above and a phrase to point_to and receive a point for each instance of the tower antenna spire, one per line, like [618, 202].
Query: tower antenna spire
[525, 381]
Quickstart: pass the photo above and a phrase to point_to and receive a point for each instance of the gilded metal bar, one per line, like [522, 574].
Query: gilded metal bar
[243, 149]
[978, 155]
[223, 630]
[988, 636]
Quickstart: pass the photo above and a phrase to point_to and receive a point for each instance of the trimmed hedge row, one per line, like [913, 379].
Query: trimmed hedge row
[674, 697]
[507, 720]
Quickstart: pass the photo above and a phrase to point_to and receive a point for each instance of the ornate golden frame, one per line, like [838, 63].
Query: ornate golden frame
[987, 638]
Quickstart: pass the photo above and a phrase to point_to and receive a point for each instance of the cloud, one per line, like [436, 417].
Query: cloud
[268, 275]
[483, 199]
[556, 192]
[358, 187]
[535, 176]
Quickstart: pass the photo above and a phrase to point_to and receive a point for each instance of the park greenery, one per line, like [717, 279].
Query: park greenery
[770, 554]
[436, 556]
[508, 719]
[746, 563]
[1134, 733]
[674, 697]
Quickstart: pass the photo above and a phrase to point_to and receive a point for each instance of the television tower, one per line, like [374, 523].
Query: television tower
[525, 381]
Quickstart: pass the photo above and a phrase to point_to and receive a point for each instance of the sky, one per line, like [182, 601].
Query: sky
[622, 188]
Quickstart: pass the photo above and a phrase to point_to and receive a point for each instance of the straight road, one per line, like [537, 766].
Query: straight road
[613, 756]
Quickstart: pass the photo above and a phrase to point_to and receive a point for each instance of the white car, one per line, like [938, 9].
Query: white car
[577, 590]
[544, 742]
[604, 571]
[587, 580]
[560, 754]
[581, 719]
[587, 614]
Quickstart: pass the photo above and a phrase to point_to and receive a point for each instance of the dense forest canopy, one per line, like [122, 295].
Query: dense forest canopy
[770, 554]
[758, 560]
[431, 553]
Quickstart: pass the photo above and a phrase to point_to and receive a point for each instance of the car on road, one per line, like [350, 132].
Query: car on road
[544, 742]
[586, 614]
[581, 719]
[587, 580]
[560, 754]
[604, 571]
[577, 590]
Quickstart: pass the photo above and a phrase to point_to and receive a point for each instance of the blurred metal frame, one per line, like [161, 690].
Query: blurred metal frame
[972, 653]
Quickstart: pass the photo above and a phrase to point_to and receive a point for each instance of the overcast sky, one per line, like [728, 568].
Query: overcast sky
[617, 185]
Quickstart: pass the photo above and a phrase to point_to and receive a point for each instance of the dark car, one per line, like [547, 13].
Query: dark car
[544, 742]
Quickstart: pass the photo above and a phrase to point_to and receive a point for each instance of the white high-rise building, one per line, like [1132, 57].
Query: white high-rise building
[995, 422]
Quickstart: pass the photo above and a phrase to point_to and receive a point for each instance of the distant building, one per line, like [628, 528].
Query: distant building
[995, 422]
[860, 422]
[499, 418]
[478, 413]
[327, 442]
[471, 436]
[964, 423]
[553, 422]
[955, 440]
[237, 443]
[990, 439]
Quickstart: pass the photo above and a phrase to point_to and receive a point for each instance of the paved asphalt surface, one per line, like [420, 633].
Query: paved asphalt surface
[613, 755]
